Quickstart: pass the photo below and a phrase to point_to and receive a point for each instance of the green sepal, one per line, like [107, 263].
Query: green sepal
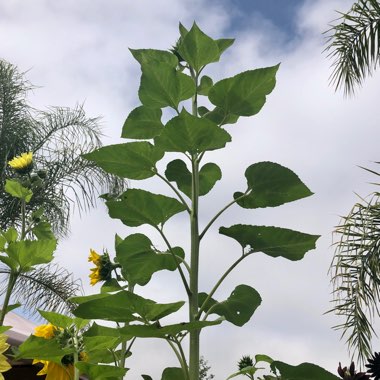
[173, 373]
[135, 160]
[153, 56]
[204, 85]
[101, 371]
[245, 93]
[303, 371]
[188, 133]
[137, 207]
[238, 308]
[143, 123]
[198, 49]
[158, 331]
[273, 241]
[163, 86]
[124, 307]
[139, 260]
[177, 171]
[271, 185]
[14, 188]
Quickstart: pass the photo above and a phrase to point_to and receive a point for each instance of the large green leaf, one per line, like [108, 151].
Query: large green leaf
[14, 188]
[139, 259]
[158, 331]
[188, 133]
[137, 207]
[28, 253]
[272, 185]
[41, 348]
[273, 241]
[143, 123]
[178, 172]
[245, 93]
[238, 308]
[198, 49]
[135, 160]
[101, 371]
[172, 373]
[57, 319]
[304, 371]
[162, 86]
[95, 343]
[153, 56]
[125, 307]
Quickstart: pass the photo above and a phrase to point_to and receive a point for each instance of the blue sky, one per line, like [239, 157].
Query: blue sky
[78, 52]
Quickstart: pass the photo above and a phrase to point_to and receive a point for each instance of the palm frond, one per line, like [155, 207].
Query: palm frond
[48, 287]
[354, 46]
[356, 275]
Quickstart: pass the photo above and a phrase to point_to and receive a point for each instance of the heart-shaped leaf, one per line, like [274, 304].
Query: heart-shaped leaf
[272, 185]
[136, 207]
[188, 133]
[273, 241]
[245, 93]
[238, 308]
[209, 174]
[143, 123]
[135, 160]
[303, 371]
[139, 260]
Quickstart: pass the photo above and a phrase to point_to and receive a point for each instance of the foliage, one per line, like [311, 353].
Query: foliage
[353, 44]
[57, 138]
[171, 79]
[355, 273]
[204, 369]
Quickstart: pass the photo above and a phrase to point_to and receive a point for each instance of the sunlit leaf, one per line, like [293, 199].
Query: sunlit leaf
[101, 371]
[14, 188]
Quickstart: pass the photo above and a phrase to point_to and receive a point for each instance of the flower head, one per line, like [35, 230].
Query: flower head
[350, 374]
[45, 331]
[23, 163]
[103, 267]
[374, 366]
[4, 365]
[245, 361]
[54, 371]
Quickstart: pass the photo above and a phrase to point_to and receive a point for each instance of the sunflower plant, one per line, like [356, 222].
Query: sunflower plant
[198, 118]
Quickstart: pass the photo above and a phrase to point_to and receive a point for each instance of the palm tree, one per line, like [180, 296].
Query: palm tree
[57, 137]
[354, 45]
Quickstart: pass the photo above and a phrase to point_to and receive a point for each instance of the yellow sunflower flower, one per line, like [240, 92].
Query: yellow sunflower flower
[103, 267]
[54, 371]
[22, 163]
[95, 276]
[94, 257]
[4, 365]
[45, 331]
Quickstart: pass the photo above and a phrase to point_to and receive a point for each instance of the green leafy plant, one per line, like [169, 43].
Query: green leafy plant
[199, 111]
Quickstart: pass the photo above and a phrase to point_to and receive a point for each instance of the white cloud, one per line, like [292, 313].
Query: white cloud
[78, 51]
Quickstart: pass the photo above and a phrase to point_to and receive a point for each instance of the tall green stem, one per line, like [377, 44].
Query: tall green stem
[194, 264]
[11, 283]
